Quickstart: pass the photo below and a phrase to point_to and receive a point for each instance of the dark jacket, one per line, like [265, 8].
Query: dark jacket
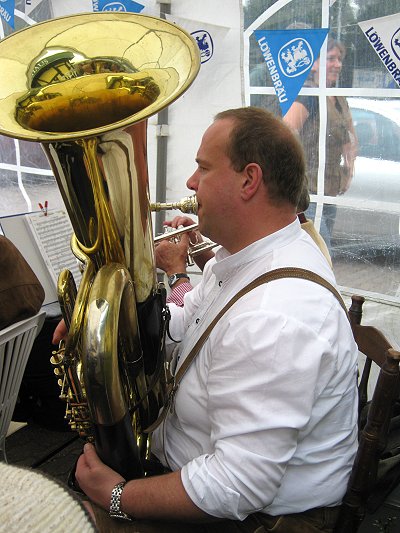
[21, 294]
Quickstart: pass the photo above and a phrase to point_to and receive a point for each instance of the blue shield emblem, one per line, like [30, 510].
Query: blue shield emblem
[117, 6]
[205, 43]
[295, 57]
[395, 43]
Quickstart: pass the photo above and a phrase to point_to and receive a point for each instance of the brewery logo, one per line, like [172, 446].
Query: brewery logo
[121, 6]
[395, 43]
[205, 43]
[295, 57]
[114, 6]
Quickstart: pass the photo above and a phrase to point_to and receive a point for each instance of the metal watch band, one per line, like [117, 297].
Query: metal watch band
[174, 278]
[115, 502]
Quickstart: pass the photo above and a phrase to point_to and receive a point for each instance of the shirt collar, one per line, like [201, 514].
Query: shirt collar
[226, 262]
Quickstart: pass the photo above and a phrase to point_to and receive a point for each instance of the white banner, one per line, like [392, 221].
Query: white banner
[384, 36]
[70, 7]
[216, 28]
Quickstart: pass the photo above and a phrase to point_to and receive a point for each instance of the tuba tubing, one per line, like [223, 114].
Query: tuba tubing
[84, 89]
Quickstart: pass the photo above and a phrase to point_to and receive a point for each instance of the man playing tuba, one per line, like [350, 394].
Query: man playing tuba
[261, 429]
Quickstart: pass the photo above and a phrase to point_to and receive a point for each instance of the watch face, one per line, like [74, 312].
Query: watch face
[174, 278]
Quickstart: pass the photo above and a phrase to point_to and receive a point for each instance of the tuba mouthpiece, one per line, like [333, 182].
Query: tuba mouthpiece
[188, 204]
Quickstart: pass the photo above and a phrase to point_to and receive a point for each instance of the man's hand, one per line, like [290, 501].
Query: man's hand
[195, 237]
[172, 256]
[95, 478]
[60, 332]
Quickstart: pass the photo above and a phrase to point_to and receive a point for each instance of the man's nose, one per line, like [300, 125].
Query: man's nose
[192, 182]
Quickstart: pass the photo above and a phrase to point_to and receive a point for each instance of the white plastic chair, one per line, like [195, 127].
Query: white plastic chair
[15, 346]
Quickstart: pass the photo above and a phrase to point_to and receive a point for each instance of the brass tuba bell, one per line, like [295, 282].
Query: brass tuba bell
[83, 86]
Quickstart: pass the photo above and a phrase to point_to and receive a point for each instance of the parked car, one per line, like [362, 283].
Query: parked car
[373, 224]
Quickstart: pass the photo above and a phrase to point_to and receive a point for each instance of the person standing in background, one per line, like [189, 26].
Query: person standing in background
[341, 142]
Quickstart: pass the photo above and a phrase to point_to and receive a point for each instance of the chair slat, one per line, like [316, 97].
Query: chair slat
[374, 435]
[15, 345]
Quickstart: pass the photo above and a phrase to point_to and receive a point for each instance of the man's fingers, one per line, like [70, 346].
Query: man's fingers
[179, 221]
[60, 332]
[90, 454]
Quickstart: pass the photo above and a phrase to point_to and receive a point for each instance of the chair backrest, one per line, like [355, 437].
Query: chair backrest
[15, 346]
[373, 436]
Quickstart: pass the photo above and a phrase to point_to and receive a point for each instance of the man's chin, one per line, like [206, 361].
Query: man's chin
[203, 230]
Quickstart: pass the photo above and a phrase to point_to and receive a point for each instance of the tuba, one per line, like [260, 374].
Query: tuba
[84, 86]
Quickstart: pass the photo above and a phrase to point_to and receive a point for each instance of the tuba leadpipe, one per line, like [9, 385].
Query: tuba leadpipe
[84, 88]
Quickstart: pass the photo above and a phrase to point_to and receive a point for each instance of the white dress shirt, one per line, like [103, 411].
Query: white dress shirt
[265, 419]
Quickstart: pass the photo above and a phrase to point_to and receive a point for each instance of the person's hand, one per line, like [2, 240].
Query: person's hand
[96, 479]
[184, 222]
[172, 256]
[195, 237]
[60, 332]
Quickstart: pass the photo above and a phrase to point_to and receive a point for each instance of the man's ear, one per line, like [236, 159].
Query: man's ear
[252, 180]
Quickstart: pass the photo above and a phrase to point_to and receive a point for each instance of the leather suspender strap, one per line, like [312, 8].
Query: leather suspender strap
[284, 272]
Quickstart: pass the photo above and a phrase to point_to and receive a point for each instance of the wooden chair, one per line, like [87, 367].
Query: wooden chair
[373, 436]
[15, 346]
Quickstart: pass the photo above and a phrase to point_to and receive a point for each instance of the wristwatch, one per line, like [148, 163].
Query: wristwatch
[174, 278]
[115, 502]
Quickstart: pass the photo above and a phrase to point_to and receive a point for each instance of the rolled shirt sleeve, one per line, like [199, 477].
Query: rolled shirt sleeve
[260, 404]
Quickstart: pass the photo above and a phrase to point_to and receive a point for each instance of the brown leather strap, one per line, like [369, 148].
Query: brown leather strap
[285, 272]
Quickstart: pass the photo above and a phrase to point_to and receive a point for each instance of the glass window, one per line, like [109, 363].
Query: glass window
[350, 129]
[25, 176]
[32, 155]
[8, 150]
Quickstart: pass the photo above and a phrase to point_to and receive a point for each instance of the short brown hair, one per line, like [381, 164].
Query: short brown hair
[260, 137]
[304, 201]
[334, 43]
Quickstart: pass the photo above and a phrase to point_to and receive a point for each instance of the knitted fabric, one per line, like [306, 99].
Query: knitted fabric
[30, 501]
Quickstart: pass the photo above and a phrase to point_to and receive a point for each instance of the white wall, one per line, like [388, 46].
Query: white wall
[217, 86]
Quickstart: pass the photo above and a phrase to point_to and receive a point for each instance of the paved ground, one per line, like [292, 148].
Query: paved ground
[53, 452]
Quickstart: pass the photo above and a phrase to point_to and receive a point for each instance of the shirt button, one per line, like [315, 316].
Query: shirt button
[197, 320]
[220, 283]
